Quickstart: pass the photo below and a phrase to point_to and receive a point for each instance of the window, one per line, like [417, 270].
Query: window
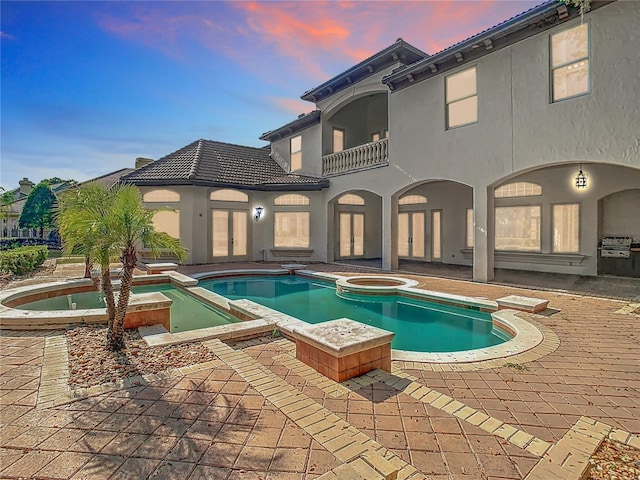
[167, 221]
[462, 98]
[291, 199]
[296, 153]
[566, 228]
[518, 228]
[227, 195]
[338, 140]
[570, 62]
[469, 242]
[291, 229]
[375, 137]
[351, 199]
[412, 200]
[161, 196]
[518, 189]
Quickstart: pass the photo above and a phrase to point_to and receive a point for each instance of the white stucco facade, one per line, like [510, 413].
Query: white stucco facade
[521, 135]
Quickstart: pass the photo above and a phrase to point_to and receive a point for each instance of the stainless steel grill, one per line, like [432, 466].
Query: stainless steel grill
[616, 247]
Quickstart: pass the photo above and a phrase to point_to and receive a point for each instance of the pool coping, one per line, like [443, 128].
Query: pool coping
[526, 336]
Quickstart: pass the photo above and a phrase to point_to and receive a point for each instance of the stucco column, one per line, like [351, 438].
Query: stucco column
[483, 240]
[389, 212]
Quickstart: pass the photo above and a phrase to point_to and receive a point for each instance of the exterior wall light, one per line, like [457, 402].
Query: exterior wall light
[257, 213]
[581, 179]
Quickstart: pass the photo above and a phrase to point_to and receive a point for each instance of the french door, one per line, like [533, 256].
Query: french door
[411, 234]
[351, 235]
[229, 235]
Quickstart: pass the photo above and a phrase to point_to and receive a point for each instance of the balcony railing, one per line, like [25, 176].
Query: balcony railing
[362, 157]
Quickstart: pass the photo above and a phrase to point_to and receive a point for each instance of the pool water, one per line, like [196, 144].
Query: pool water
[187, 312]
[419, 325]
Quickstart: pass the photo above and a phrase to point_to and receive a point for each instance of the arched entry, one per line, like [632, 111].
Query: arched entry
[431, 224]
[552, 218]
[356, 227]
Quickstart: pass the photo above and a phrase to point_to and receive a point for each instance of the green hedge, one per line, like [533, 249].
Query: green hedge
[23, 260]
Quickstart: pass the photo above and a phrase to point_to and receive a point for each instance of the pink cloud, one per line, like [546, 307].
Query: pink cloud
[294, 106]
[306, 41]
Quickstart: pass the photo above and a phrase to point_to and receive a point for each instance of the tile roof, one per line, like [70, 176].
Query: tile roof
[209, 163]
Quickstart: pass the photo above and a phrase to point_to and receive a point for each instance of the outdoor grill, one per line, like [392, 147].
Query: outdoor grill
[616, 247]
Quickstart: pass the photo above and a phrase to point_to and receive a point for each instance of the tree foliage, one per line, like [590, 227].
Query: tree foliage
[104, 224]
[38, 210]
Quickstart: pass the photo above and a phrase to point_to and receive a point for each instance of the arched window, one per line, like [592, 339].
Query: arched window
[228, 195]
[412, 200]
[351, 199]
[161, 196]
[291, 199]
[518, 189]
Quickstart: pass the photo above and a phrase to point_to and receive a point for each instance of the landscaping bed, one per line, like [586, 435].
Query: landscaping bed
[615, 461]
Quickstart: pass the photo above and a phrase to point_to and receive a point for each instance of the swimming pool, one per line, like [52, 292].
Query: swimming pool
[187, 312]
[419, 326]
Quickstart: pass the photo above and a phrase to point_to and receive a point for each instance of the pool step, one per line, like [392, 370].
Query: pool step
[365, 467]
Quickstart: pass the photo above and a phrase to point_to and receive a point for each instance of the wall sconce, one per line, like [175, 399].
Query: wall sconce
[257, 213]
[581, 179]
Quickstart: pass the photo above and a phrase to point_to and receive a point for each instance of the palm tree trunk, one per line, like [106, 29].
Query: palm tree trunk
[116, 333]
[107, 290]
[87, 266]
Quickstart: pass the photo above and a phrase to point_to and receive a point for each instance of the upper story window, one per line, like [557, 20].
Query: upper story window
[228, 195]
[296, 153]
[291, 199]
[161, 196]
[462, 98]
[351, 199]
[375, 137]
[570, 62]
[412, 200]
[338, 140]
[518, 189]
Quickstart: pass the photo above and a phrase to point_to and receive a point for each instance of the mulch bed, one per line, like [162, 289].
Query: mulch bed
[92, 363]
[615, 461]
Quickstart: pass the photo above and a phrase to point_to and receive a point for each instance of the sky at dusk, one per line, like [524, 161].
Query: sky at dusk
[86, 87]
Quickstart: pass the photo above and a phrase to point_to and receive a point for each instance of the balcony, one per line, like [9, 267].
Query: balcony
[362, 157]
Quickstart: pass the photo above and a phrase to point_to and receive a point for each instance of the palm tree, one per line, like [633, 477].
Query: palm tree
[81, 216]
[131, 227]
[104, 224]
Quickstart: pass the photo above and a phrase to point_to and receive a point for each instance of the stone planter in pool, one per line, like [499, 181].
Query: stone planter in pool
[373, 285]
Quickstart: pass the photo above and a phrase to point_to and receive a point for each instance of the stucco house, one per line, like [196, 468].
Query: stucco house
[516, 148]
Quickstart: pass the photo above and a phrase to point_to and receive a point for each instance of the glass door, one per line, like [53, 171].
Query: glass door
[229, 235]
[351, 237]
[411, 236]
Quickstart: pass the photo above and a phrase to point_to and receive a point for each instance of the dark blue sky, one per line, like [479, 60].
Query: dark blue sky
[88, 86]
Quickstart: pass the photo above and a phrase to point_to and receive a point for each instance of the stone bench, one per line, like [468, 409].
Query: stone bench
[153, 268]
[342, 349]
[524, 304]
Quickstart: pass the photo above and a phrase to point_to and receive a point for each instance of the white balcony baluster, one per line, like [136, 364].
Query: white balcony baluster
[369, 155]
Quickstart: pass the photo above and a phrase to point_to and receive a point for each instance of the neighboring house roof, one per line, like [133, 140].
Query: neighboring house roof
[303, 121]
[110, 179]
[515, 29]
[398, 52]
[209, 163]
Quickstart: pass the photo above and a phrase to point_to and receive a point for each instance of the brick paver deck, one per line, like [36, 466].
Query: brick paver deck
[231, 422]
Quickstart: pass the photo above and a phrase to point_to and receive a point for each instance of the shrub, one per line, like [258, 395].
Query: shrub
[22, 260]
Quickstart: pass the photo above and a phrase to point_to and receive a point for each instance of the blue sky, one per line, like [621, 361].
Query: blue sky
[86, 87]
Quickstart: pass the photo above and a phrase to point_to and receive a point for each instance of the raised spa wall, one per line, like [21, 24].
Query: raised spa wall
[144, 309]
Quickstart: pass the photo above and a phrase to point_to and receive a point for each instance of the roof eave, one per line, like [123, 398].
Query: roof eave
[503, 35]
[363, 70]
[297, 125]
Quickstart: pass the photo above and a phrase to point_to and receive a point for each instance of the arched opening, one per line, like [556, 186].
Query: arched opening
[355, 230]
[431, 228]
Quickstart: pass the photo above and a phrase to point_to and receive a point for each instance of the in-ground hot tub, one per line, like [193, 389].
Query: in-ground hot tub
[364, 284]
